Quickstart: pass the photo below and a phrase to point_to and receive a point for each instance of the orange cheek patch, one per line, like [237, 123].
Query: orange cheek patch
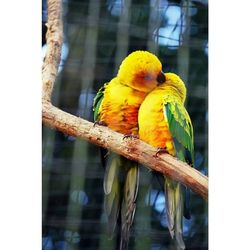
[145, 81]
[139, 78]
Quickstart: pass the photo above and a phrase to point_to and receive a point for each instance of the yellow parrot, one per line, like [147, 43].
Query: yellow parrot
[116, 105]
[165, 124]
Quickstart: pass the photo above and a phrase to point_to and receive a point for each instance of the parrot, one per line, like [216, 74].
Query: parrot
[116, 105]
[164, 123]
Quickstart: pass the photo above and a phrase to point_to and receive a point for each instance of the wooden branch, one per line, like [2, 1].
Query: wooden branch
[130, 148]
[54, 38]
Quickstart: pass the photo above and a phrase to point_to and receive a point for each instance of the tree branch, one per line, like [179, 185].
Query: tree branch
[130, 148]
[54, 39]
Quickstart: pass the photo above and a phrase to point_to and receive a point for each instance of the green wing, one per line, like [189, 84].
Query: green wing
[97, 101]
[177, 196]
[181, 129]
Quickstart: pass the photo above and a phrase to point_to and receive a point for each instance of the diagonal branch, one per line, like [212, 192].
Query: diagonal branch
[131, 148]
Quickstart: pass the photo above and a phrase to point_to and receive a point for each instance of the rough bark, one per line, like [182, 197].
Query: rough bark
[131, 148]
[54, 40]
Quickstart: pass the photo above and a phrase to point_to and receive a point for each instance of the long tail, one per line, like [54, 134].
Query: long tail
[174, 210]
[120, 187]
[129, 201]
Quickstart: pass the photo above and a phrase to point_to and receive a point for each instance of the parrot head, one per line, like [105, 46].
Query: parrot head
[141, 70]
[177, 85]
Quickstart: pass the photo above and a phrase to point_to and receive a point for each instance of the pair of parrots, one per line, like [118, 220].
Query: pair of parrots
[144, 102]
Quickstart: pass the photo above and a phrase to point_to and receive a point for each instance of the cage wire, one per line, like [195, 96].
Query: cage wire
[97, 37]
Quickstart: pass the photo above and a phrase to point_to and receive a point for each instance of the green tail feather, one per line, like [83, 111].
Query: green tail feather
[174, 211]
[112, 191]
[129, 201]
[169, 187]
[120, 187]
[179, 217]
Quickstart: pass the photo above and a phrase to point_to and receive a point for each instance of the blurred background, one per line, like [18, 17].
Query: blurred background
[97, 37]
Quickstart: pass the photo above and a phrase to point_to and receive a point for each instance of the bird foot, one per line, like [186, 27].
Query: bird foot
[130, 136]
[100, 123]
[160, 151]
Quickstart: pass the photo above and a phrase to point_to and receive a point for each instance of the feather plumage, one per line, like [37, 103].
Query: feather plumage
[116, 104]
[165, 123]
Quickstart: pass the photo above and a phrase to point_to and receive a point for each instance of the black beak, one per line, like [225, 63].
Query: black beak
[161, 78]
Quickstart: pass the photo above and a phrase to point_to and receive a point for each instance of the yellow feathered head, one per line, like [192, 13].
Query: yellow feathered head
[177, 85]
[141, 70]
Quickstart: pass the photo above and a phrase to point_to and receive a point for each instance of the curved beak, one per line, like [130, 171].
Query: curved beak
[161, 78]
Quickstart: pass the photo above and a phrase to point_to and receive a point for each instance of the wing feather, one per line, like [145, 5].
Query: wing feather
[97, 101]
[181, 128]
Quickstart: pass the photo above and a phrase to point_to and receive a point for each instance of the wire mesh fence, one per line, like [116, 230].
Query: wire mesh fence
[98, 35]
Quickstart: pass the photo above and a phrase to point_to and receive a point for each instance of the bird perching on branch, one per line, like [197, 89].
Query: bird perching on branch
[75, 126]
[116, 105]
[165, 124]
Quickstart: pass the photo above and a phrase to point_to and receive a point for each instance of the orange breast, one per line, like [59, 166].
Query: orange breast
[122, 119]
[119, 108]
[153, 128]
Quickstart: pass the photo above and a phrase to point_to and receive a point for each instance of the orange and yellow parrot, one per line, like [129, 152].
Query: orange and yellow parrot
[116, 105]
[165, 124]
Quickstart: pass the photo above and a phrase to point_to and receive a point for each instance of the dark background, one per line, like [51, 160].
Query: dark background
[98, 35]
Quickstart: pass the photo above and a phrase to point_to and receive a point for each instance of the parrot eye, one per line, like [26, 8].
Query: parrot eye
[148, 77]
[161, 77]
